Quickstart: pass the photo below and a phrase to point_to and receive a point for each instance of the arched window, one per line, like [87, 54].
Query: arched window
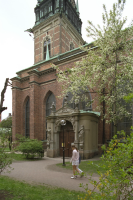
[46, 42]
[126, 122]
[83, 105]
[50, 100]
[27, 118]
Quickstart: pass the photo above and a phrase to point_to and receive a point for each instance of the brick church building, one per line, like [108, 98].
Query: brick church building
[37, 110]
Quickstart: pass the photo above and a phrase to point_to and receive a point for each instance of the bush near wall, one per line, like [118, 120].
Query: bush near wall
[30, 147]
[5, 160]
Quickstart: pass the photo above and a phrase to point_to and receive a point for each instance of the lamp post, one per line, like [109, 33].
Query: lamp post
[63, 123]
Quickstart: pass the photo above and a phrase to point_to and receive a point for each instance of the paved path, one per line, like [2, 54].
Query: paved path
[46, 172]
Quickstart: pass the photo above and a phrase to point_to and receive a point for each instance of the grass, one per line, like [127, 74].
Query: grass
[7, 149]
[86, 166]
[24, 191]
[21, 157]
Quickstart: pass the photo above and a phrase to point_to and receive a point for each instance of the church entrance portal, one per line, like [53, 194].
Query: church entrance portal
[68, 139]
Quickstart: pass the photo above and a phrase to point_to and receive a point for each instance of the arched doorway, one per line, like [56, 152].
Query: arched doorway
[68, 139]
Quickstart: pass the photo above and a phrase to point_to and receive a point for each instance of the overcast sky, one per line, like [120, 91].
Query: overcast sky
[17, 47]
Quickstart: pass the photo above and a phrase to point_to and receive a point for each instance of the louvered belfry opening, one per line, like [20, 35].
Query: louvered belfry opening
[47, 8]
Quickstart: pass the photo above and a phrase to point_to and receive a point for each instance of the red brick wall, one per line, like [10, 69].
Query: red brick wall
[60, 41]
[38, 89]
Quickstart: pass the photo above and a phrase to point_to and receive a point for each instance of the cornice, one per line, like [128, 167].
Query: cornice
[46, 71]
[26, 78]
[17, 78]
[46, 21]
[45, 82]
[40, 73]
[18, 88]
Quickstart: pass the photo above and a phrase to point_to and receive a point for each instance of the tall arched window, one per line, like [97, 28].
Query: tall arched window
[83, 105]
[27, 118]
[50, 100]
[46, 42]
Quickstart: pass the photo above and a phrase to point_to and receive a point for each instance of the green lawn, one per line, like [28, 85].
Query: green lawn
[86, 166]
[7, 149]
[21, 157]
[17, 190]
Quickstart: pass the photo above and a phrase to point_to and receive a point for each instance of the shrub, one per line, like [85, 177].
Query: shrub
[7, 133]
[117, 182]
[5, 160]
[30, 147]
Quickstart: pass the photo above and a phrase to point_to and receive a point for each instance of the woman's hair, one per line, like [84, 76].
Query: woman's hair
[76, 148]
[73, 145]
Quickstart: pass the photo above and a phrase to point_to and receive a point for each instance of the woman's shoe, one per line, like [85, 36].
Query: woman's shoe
[73, 177]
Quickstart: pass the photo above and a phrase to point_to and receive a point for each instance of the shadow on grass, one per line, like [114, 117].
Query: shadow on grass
[4, 195]
[86, 166]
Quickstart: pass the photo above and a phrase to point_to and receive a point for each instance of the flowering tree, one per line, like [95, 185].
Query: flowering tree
[107, 69]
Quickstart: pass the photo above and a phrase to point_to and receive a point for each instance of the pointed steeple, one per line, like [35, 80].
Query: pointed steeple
[47, 53]
[77, 6]
[61, 6]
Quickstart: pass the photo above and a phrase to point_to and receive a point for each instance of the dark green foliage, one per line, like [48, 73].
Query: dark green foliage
[30, 147]
[6, 123]
[6, 130]
[5, 159]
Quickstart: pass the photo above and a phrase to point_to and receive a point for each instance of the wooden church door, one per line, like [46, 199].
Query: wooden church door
[68, 139]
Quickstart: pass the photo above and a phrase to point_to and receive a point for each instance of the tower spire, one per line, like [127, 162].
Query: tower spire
[47, 53]
[77, 6]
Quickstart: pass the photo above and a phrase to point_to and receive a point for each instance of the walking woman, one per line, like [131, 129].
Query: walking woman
[75, 161]
[81, 172]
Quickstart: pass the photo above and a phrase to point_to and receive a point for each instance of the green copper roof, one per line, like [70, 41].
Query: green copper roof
[96, 113]
[52, 58]
[77, 6]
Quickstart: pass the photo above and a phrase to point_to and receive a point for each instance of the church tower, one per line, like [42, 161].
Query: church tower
[57, 28]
